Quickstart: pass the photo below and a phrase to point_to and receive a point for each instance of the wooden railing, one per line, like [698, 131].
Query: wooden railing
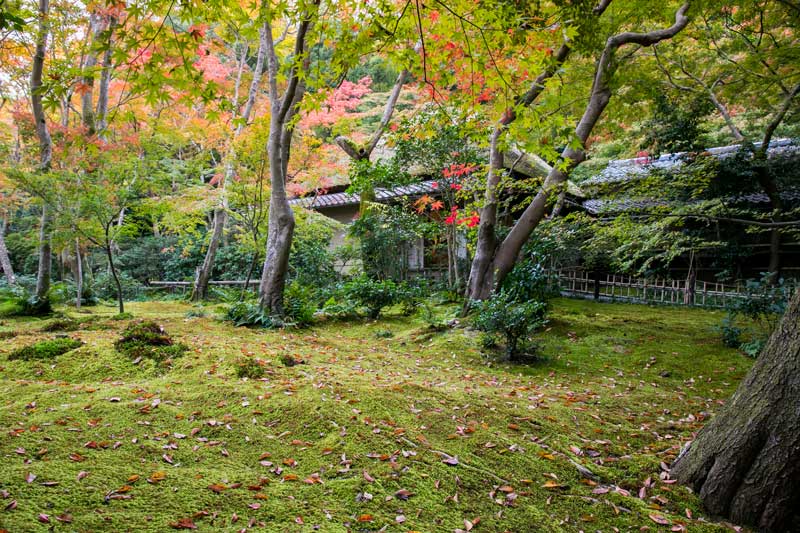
[616, 287]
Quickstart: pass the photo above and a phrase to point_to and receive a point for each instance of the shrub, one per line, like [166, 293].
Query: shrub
[750, 320]
[299, 304]
[48, 349]
[105, 287]
[196, 312]
[372, 294]
[503, 317]
[249, 367]
[148, 339]
[249, 313]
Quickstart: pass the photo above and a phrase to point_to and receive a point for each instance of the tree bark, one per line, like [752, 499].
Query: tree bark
[45, 144]
[113, 269]
[281, 218]
[744, 462]
[480, 282]
[200, 290]
[89, 65]
[78, 275]
[5, 260]
[101, 113]
[491, 273]
[45, 257]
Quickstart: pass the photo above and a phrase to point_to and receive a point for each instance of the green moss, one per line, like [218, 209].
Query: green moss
[47, 349]
[385, 406]
[60, 324]
[147, 339]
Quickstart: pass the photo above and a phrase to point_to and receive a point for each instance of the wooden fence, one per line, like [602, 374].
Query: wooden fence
[615, 287]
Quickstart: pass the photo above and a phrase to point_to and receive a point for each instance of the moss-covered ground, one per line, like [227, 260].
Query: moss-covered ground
[417, 431]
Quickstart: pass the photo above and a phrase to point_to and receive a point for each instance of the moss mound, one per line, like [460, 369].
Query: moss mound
[60, 324]
[7, 334]
[48, 349]
[147, 339]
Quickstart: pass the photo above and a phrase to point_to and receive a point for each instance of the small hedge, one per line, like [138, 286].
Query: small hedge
[48, 349]
[149, 340]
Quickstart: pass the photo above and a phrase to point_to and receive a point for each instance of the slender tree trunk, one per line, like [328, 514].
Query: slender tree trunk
[200, 290]
[5, 260]
[249, 276]
[744, 462]
[486, 275]
[101, 113]
[45, 256]
[78, 275]
[113, 269]
[45, 144]
[89, 65]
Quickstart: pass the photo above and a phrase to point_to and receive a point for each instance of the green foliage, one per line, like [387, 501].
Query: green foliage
[503, 317]
[385, 233]
[374, 295]
[676, 126]
[104, 286]
[47, 349]
[20, 300]
[122, 316]
[147, 339]
[751, 319]
[249, 313]
[311, 261]
[299, 304]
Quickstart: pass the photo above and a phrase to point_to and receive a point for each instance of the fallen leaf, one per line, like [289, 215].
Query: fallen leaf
[183, 523]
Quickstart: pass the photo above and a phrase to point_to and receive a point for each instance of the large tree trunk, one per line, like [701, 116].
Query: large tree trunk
[281, 218]
[487, 275]
[5, 260]
[276, 263]
[745, 463]
[200, 291]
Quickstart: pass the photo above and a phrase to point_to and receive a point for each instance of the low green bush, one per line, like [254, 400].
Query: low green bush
[371, 294]
[501, 317]
[750, 320]
[47, 349]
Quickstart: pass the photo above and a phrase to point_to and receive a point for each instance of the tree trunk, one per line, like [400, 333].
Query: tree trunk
[505, 256]
[5, 260]
[45, 257]
[281, 218]
[744, 463]
[89, 65]
[113, 269]
[200, 290]
[276, 262]
[78, 275]
[101, 114]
